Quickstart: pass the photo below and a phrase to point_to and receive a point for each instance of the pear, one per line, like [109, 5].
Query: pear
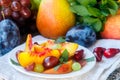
[54, 18]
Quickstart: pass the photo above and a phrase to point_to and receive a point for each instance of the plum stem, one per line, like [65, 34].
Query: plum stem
[3, 15]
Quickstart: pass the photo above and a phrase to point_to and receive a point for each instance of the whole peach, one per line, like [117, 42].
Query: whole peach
[112, 28]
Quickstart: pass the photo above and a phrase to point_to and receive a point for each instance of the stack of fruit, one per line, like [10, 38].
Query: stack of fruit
[51, 57]
[17, 19]
[80, 21]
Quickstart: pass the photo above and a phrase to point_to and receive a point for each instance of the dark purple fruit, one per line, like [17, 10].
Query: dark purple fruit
[98, 52]
[9, 36]
[50, 62]
[83, 35]
[78, 55]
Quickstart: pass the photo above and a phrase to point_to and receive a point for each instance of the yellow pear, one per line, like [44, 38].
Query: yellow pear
[54, 18]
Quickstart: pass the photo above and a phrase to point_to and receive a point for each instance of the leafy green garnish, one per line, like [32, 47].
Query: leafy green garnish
[60, 40]
[15, 63]
[93, 12]
[64, 56]
[90, 59]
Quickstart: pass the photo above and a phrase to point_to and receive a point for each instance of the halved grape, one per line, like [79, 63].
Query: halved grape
[39, 68]
[76, 66]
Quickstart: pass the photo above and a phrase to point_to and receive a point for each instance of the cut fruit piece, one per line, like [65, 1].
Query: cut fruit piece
[24, 59]
[71, 48]
[62, 69]
[28, 43]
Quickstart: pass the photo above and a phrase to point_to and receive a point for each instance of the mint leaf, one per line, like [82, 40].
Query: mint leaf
[90, 59]
[97, 26]
[87, 2]
[112, 4]
[94, 11]
[60, 40]
[15, 63]
[112, 11]
[64, 56]
[80, 10]
[89, 20]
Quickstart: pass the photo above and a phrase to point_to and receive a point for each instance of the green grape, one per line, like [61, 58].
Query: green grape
[76, 66]
[39, 68]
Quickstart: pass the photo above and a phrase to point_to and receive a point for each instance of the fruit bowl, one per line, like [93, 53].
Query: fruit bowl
[83, 70]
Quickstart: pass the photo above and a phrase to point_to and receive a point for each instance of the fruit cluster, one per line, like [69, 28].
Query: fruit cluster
[16, 9]
[21, 13]
[45, 57]
[108, 53]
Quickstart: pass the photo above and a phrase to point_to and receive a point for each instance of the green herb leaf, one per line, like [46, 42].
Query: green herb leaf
[97, 26]
[60, 40]
[80, 10]
[56, 67]
[90, 59]
[64, 56]
[89, 20]
[94, 11]
[15, 63]
[87, 2]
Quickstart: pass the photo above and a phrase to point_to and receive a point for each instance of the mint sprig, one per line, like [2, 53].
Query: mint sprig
[64, 56]
[93, 12]
[60, 40]
[13, 62]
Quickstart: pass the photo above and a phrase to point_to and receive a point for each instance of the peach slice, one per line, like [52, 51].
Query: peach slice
[28, 43]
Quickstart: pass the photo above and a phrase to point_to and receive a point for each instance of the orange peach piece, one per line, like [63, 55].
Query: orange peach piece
[71, 48]
[63, 69]
[28, 43]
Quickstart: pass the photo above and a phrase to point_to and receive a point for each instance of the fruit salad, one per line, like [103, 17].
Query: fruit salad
[51, 57]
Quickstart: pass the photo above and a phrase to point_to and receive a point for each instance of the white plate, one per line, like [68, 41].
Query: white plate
[85, 69]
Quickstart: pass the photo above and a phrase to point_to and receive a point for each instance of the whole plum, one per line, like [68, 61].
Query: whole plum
[9, 36]
[83, 35]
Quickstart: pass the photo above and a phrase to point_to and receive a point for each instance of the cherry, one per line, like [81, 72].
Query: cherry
[50, 62]
[98, 52]
[111, 52]
[78, 55]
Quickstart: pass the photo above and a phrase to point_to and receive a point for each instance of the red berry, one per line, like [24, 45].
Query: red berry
[111, 52]
[78, 55]
[98, 52]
